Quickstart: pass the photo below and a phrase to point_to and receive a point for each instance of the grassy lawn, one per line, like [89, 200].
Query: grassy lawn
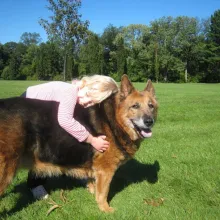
[175, 174]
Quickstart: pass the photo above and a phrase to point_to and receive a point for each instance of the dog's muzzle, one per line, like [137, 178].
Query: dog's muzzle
[143, 126]
[148, 121]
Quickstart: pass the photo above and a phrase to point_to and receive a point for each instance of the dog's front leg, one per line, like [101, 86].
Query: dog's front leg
[103, 181]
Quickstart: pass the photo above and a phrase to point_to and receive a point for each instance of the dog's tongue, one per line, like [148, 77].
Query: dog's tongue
[146, 134]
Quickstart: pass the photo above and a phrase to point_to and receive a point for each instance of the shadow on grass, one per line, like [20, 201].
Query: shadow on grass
[25, 199]
[132, 172]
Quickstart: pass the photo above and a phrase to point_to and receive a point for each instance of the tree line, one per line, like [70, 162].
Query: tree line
[180, 49]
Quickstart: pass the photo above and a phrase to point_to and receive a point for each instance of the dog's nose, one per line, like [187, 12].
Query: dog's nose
[148, 121]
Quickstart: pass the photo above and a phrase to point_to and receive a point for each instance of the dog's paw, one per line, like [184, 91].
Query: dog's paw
[91, 190]
[107, 208]
[91, 187]
[110, 209]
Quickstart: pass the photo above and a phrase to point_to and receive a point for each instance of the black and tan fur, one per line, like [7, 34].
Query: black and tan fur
[31, 137]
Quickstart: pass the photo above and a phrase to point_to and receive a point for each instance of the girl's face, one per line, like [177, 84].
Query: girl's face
[84, 99]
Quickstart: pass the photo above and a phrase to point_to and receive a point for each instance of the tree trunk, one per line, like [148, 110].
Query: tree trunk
[186, 74]
[64, 67]
[156, 63]
[165, 76]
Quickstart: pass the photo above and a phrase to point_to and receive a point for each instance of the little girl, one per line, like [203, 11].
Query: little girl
[87, 92]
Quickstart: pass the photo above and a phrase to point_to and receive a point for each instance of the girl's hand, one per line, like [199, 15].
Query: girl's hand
[99, 143]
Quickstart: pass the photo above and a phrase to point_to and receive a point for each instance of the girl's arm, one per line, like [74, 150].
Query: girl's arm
[65, 115]
[72, 126]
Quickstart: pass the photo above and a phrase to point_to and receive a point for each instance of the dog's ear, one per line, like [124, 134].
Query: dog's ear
[150, 88]
[126, 87]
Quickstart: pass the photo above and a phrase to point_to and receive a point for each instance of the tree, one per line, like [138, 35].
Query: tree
[133, 44]
[14, 67]
[28, 38]
[162, 34]
[28, 65]
[121, 57]
[47, 61]
[65, 26]
[10, 47]
[107, 39]
[215, 28]
[15, 53]
[6, 73]
[3, 58]
[186, 39]
[91, 56]
[213, 47]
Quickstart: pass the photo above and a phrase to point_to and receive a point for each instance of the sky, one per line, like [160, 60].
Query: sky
[19, 16]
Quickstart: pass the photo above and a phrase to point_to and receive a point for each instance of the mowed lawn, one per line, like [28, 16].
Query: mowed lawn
[174, 175]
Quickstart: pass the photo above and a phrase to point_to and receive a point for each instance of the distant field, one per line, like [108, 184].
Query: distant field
[175, 174]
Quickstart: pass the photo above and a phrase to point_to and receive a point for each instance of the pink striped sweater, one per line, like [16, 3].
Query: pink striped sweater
[66, 95]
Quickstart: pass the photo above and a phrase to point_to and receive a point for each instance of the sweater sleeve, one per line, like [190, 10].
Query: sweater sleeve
[65, 115]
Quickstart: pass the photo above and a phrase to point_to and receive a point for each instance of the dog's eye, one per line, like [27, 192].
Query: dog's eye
[136, 106]
[150, 105]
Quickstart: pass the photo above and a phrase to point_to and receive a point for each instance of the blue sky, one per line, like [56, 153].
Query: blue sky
[19, 16]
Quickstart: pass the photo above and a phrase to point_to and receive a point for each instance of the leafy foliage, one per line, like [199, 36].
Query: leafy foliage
[28, 38]
[91, 56]
[181, 49]
[65, 26]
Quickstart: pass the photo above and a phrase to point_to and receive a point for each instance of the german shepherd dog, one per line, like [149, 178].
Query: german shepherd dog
[31, 137]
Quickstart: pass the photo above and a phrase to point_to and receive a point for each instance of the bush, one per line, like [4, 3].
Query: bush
[194, 79]
[58, 77]
[6, 73]
[27, 72]
[34, 77]
[115, 76]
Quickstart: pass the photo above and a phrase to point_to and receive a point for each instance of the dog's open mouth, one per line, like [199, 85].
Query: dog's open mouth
[146, 133]
[143, 132]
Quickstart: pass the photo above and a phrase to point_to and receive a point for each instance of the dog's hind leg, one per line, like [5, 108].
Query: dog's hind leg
[8, 167]
[11, 149]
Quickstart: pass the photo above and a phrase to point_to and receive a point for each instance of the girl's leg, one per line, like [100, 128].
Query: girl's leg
[35, 184]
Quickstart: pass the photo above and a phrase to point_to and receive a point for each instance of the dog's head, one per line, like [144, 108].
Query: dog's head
[137, 111]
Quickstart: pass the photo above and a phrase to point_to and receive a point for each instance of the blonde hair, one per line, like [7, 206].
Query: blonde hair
[99, 87]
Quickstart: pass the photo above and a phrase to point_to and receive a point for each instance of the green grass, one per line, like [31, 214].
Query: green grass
[175, 174]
